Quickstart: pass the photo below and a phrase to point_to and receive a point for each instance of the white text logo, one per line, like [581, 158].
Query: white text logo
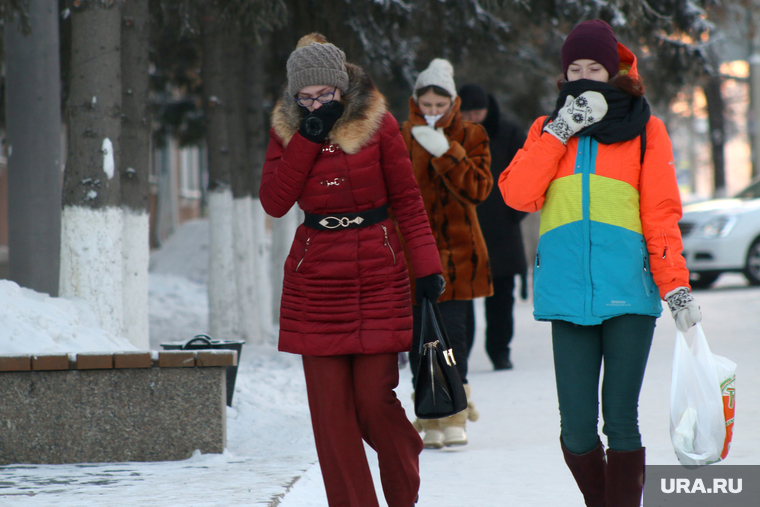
[698, 486]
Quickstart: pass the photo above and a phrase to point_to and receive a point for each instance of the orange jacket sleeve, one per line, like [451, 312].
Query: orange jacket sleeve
[524, 182]
[660, 205]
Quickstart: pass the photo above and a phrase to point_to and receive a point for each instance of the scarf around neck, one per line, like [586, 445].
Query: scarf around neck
[626, 117]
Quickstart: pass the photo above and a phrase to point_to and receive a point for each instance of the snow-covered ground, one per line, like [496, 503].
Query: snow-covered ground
[31, 322]
[513, 457]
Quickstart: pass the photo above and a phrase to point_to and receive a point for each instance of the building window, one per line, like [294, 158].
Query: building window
[190, 172]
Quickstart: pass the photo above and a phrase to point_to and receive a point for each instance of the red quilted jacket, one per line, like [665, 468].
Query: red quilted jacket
[347, 291]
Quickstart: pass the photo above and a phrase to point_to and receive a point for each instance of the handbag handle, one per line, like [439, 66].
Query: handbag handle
[430, 311]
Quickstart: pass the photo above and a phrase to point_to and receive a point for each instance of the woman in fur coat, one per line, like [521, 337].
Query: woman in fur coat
[346, 304]
[451, 163]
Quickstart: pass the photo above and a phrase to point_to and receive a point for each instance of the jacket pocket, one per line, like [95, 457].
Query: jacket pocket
[646, 274]
[305, 250]
[387, 243]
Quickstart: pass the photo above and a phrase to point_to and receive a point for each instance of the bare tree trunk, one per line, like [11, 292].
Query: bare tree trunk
[752, 16]
[33, 121]
[256, 139]
[91, 243]
[754, 74]
[240, 174]
[222, 289]
[257, 132]
[135, 169]
[715, 110]
[692, 144]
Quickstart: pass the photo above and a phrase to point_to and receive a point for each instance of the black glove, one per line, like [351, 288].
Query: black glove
[317, 124]
[430, 287]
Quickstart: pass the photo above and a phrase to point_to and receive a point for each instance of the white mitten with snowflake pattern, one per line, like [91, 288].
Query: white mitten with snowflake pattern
[684, 309]
[577, 114]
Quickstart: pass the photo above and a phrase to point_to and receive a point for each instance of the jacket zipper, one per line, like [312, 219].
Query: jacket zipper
[306, 248]
[665, 250]
[644, 272]
[387, 243]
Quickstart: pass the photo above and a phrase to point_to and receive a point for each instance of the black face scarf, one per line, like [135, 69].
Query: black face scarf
[626, 117]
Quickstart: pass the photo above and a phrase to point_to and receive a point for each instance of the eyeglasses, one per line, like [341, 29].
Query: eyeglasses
[322, 99]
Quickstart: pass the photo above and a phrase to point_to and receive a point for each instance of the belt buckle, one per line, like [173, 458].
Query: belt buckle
[339, 222]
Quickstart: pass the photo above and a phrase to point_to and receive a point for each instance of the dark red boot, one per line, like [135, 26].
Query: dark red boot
[589, 471]
[625, 477]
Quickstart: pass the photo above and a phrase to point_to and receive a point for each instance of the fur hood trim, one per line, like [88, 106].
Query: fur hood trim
[364, 110]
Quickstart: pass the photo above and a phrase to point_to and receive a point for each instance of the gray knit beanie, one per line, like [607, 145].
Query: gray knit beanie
[316, 62]
[439, 73]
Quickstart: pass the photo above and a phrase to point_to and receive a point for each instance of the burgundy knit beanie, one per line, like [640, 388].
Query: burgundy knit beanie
[592, 40]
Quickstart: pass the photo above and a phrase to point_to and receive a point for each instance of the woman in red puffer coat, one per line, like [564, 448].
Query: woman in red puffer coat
[346, 303]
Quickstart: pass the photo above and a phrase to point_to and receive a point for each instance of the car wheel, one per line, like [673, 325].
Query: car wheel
[752, 267]
[703, 279]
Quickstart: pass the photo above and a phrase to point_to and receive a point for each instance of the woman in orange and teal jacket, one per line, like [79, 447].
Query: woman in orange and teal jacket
[601, 171]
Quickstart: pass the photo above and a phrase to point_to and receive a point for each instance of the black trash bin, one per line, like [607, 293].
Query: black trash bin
[204, 341]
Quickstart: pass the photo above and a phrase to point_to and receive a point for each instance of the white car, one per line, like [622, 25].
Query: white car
[723, 235]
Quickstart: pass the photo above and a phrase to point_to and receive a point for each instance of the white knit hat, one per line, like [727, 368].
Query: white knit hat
[439, 73]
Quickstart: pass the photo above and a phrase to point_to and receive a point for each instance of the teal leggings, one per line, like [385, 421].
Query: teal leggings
[623, 342]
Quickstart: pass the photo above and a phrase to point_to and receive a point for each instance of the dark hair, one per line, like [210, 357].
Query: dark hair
[633, 86]
[436, 89]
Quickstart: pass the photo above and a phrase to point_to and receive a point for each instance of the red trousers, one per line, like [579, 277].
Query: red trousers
[351, 399]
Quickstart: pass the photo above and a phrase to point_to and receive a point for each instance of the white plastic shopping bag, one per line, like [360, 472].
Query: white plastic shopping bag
[702, 401]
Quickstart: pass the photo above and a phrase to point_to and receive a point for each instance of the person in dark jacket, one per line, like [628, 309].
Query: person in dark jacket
[500, 224]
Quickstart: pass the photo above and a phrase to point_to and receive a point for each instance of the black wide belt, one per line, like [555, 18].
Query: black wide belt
[340, 221]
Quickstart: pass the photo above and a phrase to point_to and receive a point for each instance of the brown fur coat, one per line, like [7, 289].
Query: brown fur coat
[452, 185]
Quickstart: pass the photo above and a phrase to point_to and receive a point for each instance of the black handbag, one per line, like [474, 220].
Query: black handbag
[438, 391]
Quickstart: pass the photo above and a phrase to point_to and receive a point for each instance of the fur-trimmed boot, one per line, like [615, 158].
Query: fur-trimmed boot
[625, 477]
[472, 414]
[589, 471]
[454, 426]
[433, 437]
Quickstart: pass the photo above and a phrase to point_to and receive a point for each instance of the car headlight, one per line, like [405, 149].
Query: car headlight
[718, 227]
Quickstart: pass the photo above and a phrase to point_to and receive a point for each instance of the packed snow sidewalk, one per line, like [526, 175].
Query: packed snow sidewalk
[513, 457]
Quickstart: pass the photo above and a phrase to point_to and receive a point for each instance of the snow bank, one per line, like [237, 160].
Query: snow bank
[35, 323]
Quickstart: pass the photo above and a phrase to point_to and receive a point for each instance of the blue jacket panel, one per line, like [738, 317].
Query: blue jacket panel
[592, 261]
